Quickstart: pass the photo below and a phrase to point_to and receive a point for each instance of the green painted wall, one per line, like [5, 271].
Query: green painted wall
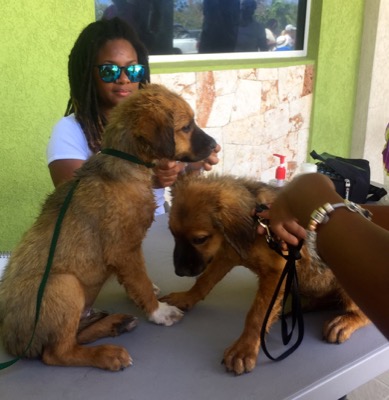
[337, 67]
[36, 38]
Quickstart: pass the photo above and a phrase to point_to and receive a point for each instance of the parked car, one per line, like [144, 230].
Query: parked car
[185, 41]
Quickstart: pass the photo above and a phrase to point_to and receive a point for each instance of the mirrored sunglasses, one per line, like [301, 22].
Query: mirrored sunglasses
[110, 72]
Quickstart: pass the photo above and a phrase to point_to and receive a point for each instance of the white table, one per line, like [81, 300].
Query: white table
[182, 362]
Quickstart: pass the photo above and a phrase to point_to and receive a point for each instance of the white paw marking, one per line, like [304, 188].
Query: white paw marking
[156, 289]
[166, 314]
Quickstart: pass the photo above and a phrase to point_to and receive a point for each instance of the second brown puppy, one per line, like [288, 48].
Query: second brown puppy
[211, 222]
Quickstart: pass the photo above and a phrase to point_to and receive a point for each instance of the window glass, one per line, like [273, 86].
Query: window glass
[215, 29]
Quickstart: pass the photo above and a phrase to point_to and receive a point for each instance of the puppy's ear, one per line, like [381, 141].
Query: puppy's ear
[165, 142]
[159, 142]
[234, 219]
[156, 135]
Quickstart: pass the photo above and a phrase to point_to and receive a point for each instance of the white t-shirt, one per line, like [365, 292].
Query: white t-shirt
[68, 142]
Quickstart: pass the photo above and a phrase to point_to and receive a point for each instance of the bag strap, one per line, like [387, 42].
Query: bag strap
[376, 193]
[316, 156]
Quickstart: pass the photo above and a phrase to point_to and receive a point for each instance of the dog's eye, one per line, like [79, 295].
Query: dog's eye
[200, 240]
[187, 128]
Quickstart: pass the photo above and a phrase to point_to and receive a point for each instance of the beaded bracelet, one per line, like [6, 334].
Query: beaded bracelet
[321, 216]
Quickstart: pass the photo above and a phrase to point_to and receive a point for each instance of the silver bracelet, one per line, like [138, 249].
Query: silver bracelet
[321, 216]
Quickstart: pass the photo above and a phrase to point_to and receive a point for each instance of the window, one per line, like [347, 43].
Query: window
[183, 30]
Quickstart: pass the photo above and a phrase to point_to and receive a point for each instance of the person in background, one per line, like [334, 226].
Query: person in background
[351, 245]
[106, 65]
[282, 44]
[220, 26]
[251, 33]
[290, 33]
[270, 30]
[151, 20]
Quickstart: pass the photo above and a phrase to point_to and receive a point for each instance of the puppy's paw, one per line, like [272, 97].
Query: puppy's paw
[240, 358]
[156, 289]
[125, 323]
[113, 358]
[179, 299]
[340, 328]
[108, 357]
[166, 314]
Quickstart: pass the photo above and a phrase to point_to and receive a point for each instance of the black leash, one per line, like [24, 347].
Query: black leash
[289, 276]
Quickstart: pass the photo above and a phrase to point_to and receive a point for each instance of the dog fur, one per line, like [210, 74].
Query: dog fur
[214, 231]
[101, 235]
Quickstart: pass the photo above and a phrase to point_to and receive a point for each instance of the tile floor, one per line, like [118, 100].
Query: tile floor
[377, 389]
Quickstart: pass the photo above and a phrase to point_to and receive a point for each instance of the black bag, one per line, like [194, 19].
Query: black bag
[351, 177]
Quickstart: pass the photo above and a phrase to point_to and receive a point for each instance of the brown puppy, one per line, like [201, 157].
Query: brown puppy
[211, 222]
[101, 234]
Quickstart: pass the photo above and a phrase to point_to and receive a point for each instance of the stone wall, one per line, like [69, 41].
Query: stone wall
[252, 113]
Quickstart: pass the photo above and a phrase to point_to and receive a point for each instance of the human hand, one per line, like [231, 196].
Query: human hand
[282, 224]
[213, 159]
[295, 202]
[206, 164]
[166, 173]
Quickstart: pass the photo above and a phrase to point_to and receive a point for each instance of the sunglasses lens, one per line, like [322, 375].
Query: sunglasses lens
[109, 73]
[135, 73]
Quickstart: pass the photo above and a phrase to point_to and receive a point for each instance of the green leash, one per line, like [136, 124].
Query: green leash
[54, 240]
[43, 283]
[126, 156]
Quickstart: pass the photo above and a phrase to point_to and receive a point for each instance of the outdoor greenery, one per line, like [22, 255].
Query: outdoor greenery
[189, 14]
[100, 6]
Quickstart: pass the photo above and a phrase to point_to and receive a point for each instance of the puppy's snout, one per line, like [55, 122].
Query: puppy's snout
[202, 144]
[184, 271]
[187, 262]
[213, 144]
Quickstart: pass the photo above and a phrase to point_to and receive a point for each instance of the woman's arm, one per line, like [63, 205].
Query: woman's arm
[355, 248]
[63, 170]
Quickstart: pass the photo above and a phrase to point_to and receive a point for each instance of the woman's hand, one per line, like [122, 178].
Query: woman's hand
[213, 159]
[282, 224]
[291, 210]
[206, 164]
[166, 173]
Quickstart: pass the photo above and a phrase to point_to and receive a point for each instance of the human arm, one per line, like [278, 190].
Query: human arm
[63, 170]
[353, 247]
[67, 150]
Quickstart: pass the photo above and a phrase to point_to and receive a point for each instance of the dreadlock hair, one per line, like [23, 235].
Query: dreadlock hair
[83, 95]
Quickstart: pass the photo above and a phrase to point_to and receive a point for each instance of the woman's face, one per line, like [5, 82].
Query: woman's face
[121, 53]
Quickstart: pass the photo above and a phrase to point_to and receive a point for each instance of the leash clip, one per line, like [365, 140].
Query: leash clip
[271, 241]
[265, 224]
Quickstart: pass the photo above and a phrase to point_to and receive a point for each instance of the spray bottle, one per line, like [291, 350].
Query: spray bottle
[280, 172]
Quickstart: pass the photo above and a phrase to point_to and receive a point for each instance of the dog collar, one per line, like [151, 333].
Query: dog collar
[126, 156]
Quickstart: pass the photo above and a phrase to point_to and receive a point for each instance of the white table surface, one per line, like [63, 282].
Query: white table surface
[183, 362]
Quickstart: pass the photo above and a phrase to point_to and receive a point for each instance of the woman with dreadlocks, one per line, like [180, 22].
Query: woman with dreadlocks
[107, 64]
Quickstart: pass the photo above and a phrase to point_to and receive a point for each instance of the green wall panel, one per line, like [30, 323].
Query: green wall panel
[337, 67]
[36, 38]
